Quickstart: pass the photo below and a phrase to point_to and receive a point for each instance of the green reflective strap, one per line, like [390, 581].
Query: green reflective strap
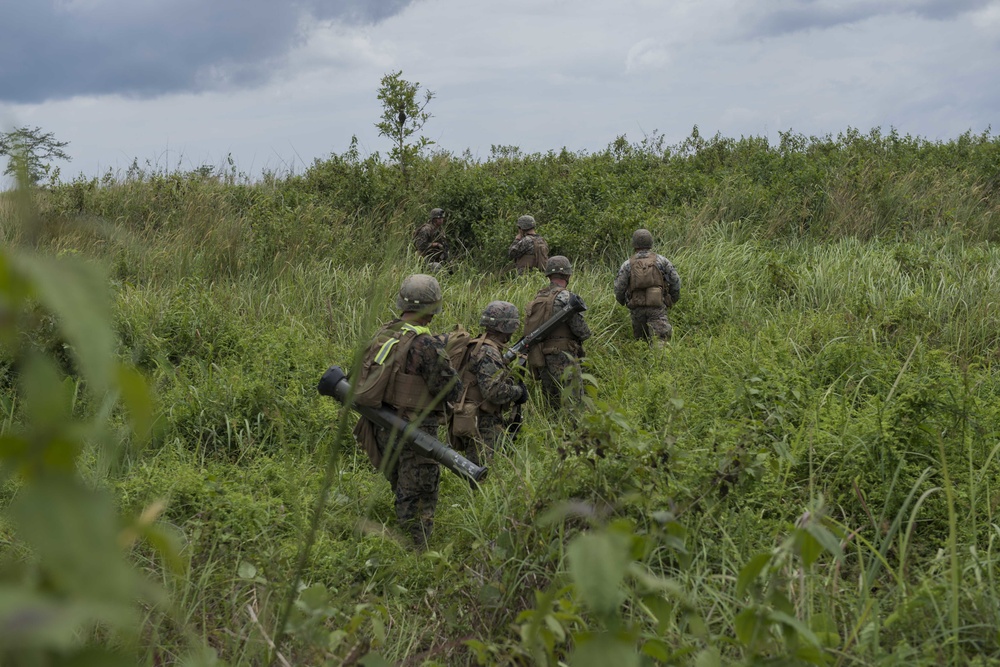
[415, 329]
[384, 350]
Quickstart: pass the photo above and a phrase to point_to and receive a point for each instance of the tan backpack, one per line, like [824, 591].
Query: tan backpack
[645, 283]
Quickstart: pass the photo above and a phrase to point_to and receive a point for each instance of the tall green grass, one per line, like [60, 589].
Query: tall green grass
[769, 486]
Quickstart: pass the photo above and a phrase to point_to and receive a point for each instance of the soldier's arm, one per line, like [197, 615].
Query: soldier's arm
[421, 241]
[494, 381]
[621, 282]
[520, 247]
[670, 276]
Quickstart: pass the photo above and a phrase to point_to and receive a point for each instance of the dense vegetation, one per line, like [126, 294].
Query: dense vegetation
[804, 475]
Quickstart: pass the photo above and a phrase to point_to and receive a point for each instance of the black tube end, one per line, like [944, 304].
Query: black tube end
[331, 378]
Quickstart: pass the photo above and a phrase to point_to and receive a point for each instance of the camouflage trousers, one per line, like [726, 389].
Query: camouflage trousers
[492, 431]
[415, 480]
[561, 376]
[650, 321]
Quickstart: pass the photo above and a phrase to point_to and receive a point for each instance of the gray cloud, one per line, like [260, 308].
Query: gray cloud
[55, 49]
[801, 15]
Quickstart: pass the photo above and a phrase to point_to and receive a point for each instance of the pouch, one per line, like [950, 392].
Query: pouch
[465, 421]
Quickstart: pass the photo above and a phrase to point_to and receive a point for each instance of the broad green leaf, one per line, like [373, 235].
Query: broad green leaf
[246, 570]
[826, 538]
[790, 621]
[30, 619]
[603, 651]
[76, 293]
[750, 571]
[747, 625]
[48, 396]
[809, 548]
[597, 563]
[138, 401]
[657, 650]
[826, 630]
[313, 597]
[97, 657]
[74, 534]
[374, 660]
[709, 657]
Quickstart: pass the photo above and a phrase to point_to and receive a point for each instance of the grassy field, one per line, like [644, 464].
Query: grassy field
[805, 475]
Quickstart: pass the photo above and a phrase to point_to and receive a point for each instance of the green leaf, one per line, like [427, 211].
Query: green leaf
[138, 401]
[826, 631]
[809, 547]
[74, 533]
[31, 620]
[750, 571]
[597, 563]
[246, 570]
[313, 597]
[604, 650]
[374, 660]
[747, 625]
[75, 293]
[790, 621]
[709, 657]
[657, 650]
[826, 538]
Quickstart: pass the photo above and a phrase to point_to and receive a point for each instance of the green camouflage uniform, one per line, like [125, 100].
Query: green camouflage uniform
[529, 252]
[415, 479]
[563, 368]
[647, 319]
[496, 386]
[425, 236]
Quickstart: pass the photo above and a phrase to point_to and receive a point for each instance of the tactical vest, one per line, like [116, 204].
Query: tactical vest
[407, 392]
[535, 259]
[470, 382]
[646, 286]
[560, 339]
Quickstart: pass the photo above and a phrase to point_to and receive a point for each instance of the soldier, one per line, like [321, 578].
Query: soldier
[488, 387]
[648, 284]
[529, 250]
[555, 359]
[426, 379]
[429, 239]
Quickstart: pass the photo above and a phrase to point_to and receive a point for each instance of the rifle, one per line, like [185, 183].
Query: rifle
[334, 384]
[576, 305]
[519, 349]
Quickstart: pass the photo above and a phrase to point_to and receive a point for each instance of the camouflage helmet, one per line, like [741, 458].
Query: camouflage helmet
[501, 316]
[558, 264]
[526, 222]
[437, 213]
[419, 293]
[642, 239]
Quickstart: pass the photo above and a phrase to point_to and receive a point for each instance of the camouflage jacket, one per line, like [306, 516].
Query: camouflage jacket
[491, 374]
[670, 277]
[425, 236]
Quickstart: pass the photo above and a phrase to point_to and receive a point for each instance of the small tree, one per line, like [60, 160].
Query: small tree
[402, 117]
[29, 151]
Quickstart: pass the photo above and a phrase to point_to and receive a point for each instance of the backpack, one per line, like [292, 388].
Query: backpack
[381, 362]
[646, 283]
[456, 346]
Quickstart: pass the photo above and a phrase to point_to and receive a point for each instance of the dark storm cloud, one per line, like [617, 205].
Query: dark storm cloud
[53, 49]
[799, 15]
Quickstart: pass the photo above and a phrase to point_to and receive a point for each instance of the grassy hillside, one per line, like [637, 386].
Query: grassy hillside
[805, 474]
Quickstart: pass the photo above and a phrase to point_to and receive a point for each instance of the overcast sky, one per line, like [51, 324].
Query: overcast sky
[276, 84]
